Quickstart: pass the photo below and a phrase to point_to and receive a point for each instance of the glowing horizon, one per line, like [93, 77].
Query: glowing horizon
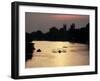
[44, 21]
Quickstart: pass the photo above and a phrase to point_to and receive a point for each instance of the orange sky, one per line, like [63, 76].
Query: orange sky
[68, 17]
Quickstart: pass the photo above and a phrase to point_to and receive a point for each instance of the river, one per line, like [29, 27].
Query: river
[58, 54]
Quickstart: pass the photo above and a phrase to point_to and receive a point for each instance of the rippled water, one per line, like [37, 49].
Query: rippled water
[54, 54]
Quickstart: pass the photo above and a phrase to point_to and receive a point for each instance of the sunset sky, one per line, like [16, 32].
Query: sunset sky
[44, 21]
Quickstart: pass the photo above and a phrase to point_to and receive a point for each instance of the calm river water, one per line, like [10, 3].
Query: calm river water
[56, 54]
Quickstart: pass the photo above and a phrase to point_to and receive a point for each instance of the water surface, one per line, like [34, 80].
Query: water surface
[54, 54]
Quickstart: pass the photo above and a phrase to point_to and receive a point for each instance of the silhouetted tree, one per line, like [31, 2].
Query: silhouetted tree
[29, 49]
[74, 35]
[53, 30]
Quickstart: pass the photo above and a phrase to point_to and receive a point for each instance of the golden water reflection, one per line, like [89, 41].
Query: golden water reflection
[71, 54]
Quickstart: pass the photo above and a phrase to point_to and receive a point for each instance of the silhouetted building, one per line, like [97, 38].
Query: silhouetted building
[72, 27]
[65, 27]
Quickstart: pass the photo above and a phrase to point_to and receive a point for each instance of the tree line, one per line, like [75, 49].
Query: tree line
[63, 34]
